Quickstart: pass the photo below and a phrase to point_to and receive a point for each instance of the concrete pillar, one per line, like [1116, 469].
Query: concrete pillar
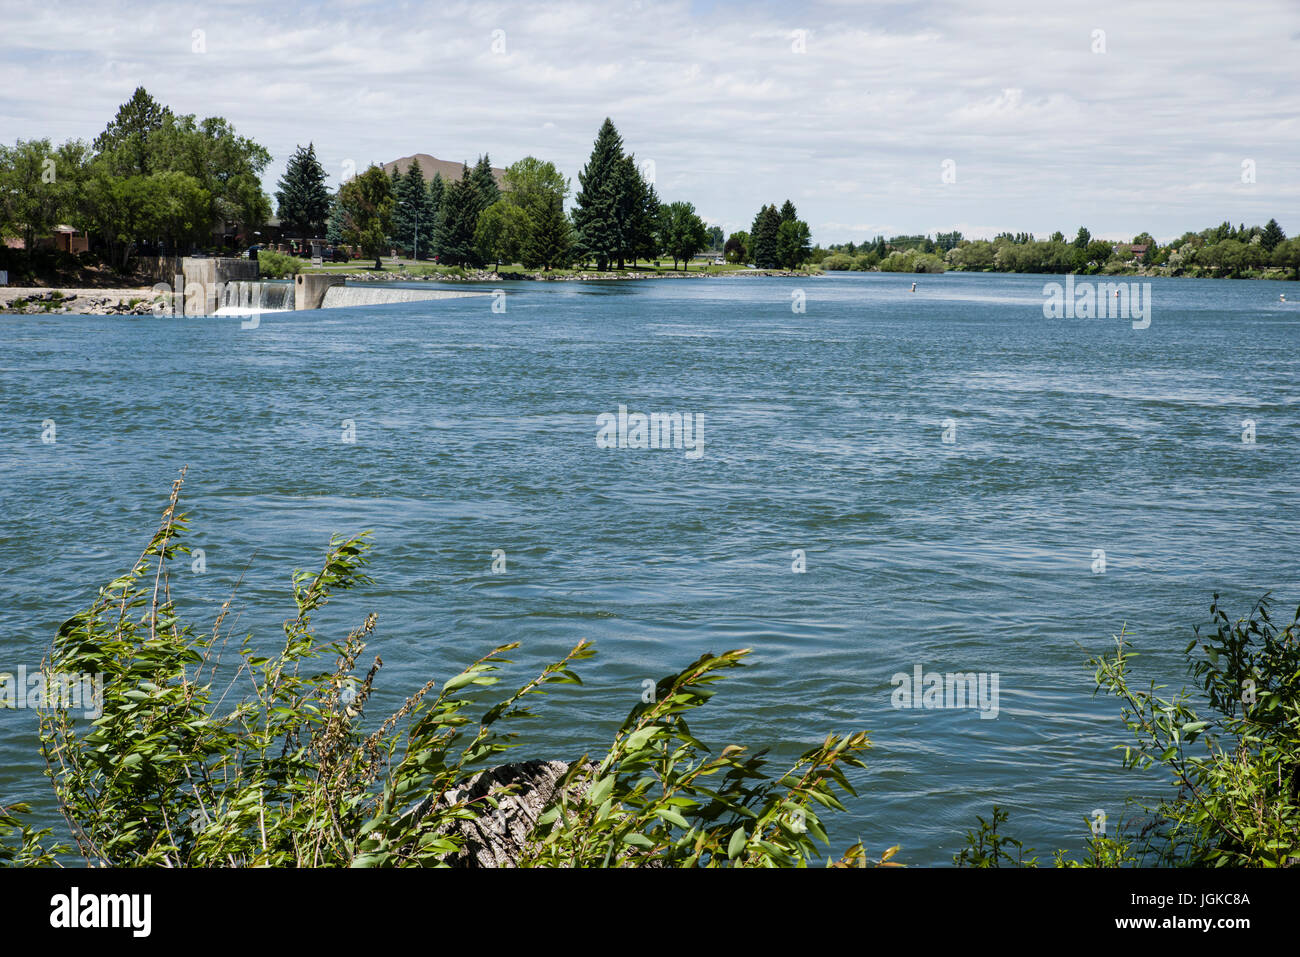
[309, 289]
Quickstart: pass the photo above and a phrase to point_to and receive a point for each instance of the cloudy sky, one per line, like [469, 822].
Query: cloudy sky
[1120, 116]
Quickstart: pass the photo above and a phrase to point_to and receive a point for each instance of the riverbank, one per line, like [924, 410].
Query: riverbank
[27, 300]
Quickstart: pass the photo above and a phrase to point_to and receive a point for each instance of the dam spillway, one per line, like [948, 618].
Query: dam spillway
[342, 297]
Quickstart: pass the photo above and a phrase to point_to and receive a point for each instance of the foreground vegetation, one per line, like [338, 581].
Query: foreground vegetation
[274, 760]
[273, 765]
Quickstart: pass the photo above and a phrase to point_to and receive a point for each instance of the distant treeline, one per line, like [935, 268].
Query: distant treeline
[1221, 251]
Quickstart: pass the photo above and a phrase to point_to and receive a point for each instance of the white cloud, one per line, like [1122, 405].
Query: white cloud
[1045, 134]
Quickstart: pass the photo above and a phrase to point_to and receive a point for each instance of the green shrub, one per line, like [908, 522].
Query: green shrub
[276, 265]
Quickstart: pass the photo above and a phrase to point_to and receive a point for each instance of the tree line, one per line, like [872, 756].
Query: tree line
[1224, 250]
[617, 216]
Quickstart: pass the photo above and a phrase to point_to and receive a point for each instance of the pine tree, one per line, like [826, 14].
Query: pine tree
[788, 212]
[595, 213]
[486, 190]
[413, 218]
[334, 224]
[767, 224]
[437, 190]
[1271, 236]
[637, 213]
[125, 141]
[549, 243]
[303, 201]
[457, 222]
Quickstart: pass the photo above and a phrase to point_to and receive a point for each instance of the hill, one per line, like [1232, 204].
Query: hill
[429, 165]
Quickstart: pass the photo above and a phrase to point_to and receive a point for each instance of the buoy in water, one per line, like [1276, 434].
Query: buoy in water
[913, 287]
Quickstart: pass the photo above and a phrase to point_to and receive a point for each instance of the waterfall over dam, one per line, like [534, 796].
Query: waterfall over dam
[243, 296]
[342, 297]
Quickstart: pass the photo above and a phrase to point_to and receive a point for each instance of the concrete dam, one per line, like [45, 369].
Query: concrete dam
[200, 286]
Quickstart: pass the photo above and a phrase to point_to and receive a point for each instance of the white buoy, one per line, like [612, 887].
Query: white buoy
[913, 287]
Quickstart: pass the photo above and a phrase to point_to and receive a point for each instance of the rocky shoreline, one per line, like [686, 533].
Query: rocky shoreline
[32, 300]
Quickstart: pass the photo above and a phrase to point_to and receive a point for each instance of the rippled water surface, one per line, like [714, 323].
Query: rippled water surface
[823, 430]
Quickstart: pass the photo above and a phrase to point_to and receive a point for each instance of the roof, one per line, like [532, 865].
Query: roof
[429, 165]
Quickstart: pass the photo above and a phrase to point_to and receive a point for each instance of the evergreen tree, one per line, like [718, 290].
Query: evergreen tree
[596, 211]
[764, 237]
[486, 190]
[334, 223]
[549, 243]
[303, 201]
[788, 213]
[793, 243]
[1271, 236]
[458, 222]
[413, 216]
[125, 142]
[637, 213]
[1083, 238]
[437, 190]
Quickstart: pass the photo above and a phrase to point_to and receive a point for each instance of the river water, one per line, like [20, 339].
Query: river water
[823, 431]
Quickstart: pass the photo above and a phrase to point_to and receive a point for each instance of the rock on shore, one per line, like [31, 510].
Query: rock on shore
[88, 302]
[495, 838]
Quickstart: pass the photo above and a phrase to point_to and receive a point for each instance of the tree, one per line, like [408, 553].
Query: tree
[1098, 251]
[683, 233]
[550, 239]
[486, 190]
[334, 223]
[227, 165]
[458, 221]
[29, 189]
[437, 190]
[413, 216]
[1287, 255]
[303, 201]
[367, 212]
[125, 142]
[716, 238]
[793, 243]
[500, 232]
[788, 213]
[763, 246]
[530, 181]
[1082, 238]
[595, 213]
[121, 211]
[737, 248]
[537, 189]
[637, 209]
[178, 207]
[1271, 236]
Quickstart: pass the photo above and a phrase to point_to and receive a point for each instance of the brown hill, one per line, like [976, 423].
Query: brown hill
[429, 165]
